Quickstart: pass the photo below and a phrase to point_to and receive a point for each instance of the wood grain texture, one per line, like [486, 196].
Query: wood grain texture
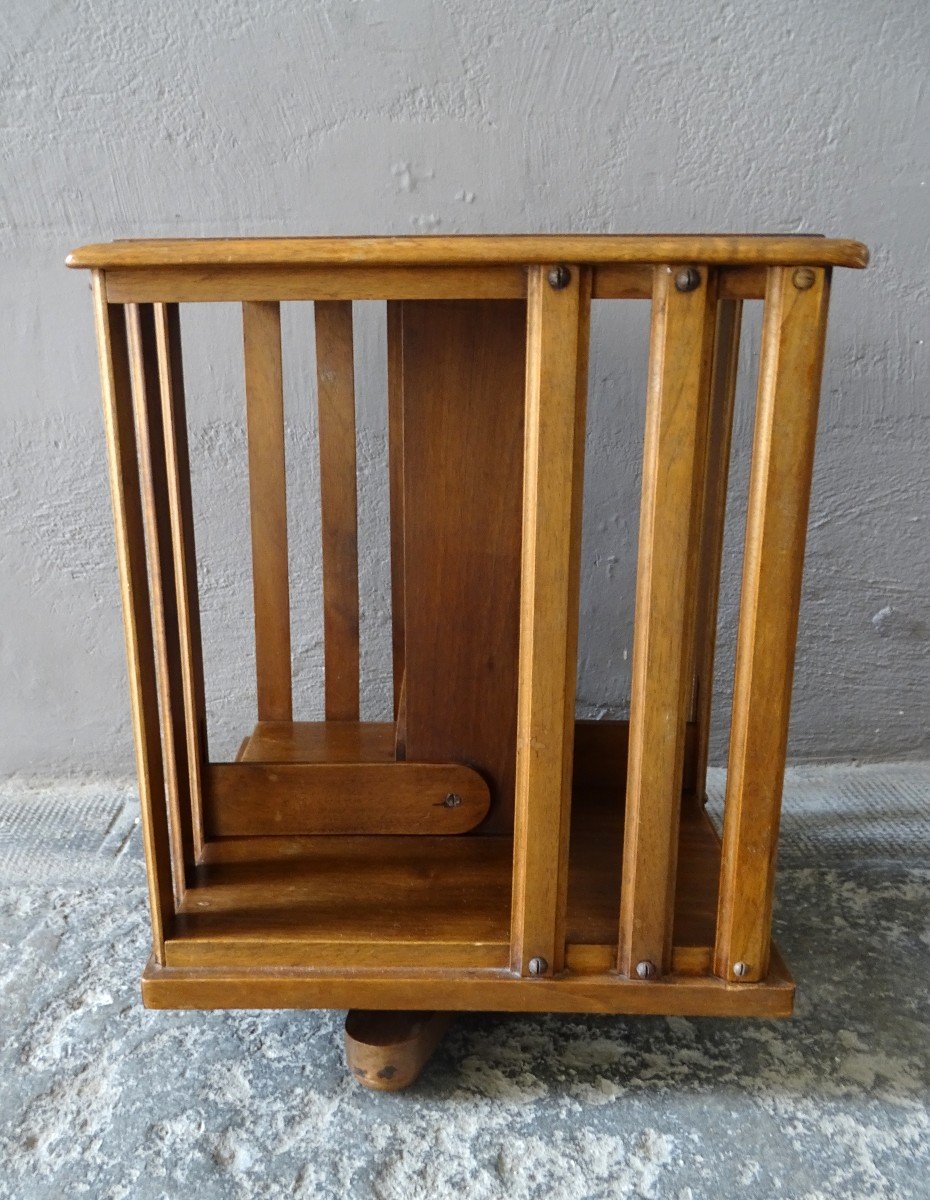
[320, 741]
[387, 1051]
[395, 425]
[474, 250]
[463, 383]
[711, 526]
[791, 360]
[156, 517]
[122, 459]
[335, 372]
[471, 991]
[677, 410]
[212, 284]
[553, 485]
[184, 552]
[261, 324]
[247, 798]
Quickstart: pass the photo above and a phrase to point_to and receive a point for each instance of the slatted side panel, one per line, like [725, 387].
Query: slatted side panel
[154, 484]
[123, 463]
[339, 503]
[793, 333]
[677, 409]
[268, 496]
[184, 554]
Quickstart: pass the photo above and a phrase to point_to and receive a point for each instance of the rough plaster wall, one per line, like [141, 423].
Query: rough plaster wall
[274, 116]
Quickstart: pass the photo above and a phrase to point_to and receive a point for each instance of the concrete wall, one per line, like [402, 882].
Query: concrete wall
[274, 116]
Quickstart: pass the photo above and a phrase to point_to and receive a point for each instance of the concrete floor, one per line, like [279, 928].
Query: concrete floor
[101, 1098]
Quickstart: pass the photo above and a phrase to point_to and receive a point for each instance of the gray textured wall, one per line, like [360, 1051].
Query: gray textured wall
[274, 116]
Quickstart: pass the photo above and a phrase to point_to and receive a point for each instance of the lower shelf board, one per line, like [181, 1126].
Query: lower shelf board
[407, 922]
[488, 990]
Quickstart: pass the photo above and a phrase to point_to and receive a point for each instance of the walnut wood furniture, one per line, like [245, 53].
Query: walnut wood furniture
[482, 850]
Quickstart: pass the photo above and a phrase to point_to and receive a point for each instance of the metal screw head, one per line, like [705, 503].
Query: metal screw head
[559, 277]
[740, 969]
[803, 278]
[453, 800]
[537, 966]
[645, 969]
[688, 279]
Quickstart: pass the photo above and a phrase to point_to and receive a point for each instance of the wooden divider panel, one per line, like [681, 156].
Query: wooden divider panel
[261, 322]
[677, 409]
[793, 333]
[462, 381]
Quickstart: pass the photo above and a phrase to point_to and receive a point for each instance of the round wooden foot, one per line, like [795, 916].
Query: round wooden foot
[386, 1051]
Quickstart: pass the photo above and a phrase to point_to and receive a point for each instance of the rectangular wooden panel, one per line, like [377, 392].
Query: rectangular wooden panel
[463, 378]
[157, 521]
[261, 324]
[677, 411]
[553, 485]
[791, 359]
[335, 372]
[218, 283]
[713, 516]
[181, 512]
[248, 799]
[122, 458]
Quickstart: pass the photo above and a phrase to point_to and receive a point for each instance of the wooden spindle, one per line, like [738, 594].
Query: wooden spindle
[181, 510]
[122, 458]
[791, 360]
[268, 492]
[713, 517]
[339, 502]
[677, 407]
[553, 482]
[154, 488]
[395, 420]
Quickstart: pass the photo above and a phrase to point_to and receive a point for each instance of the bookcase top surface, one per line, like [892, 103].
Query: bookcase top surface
[474, 251]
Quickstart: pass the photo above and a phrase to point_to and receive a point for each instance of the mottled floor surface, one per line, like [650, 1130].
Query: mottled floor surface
[100, 1098]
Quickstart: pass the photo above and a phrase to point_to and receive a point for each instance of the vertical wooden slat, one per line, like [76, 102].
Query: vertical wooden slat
[722, 394]
[154, 488]
[181, 510]
[339, 503]
[677, 408]
[791, 360]
[116, 386]
[395, 399]
[553, 482]
[261, 322]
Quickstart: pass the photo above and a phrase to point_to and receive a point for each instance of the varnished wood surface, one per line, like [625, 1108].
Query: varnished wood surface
[791, 360]
[123, 463]
[245, 799]
[150, 434]
[464, 991]
[261, 335]
[553, 483]
[522, 248]
[386, 1051]
[677, 408]
[463, 382]
[335, 372]
[404, 901]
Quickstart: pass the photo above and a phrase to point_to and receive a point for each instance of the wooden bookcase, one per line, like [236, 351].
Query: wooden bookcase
[484, 850]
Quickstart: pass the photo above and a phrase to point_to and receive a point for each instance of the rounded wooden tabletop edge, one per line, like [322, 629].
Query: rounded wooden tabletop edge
[469, 250]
